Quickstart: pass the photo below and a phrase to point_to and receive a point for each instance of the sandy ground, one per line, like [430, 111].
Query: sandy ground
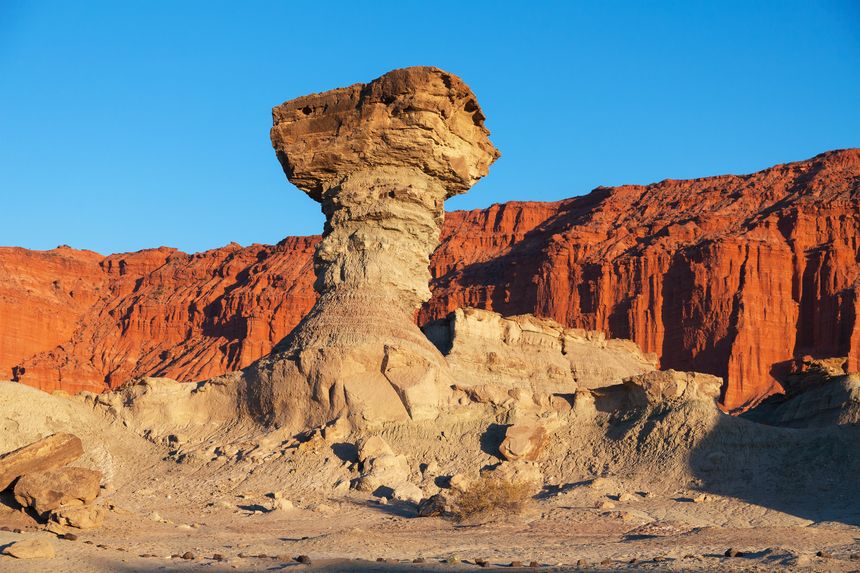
[563, 531]
[697, 484]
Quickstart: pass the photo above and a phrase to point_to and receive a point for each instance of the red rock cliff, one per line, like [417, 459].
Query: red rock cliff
[732, 275]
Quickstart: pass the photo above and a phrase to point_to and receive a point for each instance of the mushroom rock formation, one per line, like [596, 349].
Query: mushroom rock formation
[381, 158]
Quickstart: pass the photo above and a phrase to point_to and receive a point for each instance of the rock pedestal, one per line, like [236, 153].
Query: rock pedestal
[381, 158]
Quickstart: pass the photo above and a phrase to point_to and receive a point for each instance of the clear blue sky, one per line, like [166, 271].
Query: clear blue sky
[134, 124]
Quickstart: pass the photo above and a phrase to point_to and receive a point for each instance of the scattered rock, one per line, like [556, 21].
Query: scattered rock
[824, 555]
[730, 552]
[582, 564]
[281, 504]
[523, 441]
[30, 549]
[342, 487]
[459, 482]
[516, 564]
[408, 492]
[433, 506]
[601, 484]
[337, 431]
[518, 472]
[69, 537]
[626, 497]
[605, 504]
[304, 559]
[47, 490]
[49, 453]
[79, 516]
[419, 560]
[660, 386]
[188, 555]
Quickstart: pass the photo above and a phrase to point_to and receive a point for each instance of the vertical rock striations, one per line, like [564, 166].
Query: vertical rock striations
[381, 158]
[736, 276]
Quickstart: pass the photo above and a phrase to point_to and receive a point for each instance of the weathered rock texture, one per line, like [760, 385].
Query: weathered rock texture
[736, 276]
[51, 489]
[525, 352]
[74, 320]
[733, 275]
[49, 453]
[381, 158]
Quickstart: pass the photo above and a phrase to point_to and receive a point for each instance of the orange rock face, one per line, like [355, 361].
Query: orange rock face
[159, 312]
[736, 276]
[732, 275]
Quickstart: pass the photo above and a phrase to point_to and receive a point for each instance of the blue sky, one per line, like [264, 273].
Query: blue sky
[127, 125]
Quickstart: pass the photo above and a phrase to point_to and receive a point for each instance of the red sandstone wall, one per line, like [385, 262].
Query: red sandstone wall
[732, 275]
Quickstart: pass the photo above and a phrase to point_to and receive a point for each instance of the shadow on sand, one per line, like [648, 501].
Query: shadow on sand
[809, 473]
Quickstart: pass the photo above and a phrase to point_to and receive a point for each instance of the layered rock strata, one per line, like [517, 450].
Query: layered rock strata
[736, 276]
[381, 158]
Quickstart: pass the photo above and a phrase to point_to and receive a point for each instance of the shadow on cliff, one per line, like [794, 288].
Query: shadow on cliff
[808, 473]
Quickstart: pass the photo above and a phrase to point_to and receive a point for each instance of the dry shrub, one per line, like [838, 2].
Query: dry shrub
[489, 497]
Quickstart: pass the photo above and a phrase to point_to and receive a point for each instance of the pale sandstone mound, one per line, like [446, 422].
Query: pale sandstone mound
[381, 158]
[527, 352]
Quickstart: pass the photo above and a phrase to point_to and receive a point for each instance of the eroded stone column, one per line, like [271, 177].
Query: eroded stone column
[381, 158]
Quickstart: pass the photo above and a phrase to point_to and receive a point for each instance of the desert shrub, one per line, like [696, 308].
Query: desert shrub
[489, 497]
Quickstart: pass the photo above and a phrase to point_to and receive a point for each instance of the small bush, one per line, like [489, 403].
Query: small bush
[490, 497]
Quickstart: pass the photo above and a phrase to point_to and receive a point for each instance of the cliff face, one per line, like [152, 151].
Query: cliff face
[159, 312]
[733, 275]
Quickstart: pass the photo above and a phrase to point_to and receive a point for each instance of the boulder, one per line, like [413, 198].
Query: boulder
[662, 386]
[31, 549]
[48, 490]
[48, 453]
[433, 506]
[407, 491]
[523, 441]
[388, 470]
[79, 516]
[337, 431]
[373, 447]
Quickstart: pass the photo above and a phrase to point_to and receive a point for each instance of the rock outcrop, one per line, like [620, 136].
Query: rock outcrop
[523, 352]
[736, 276]
[76, 321]
[818, 393]
[381, 158]
[49, 453]
[52, 489]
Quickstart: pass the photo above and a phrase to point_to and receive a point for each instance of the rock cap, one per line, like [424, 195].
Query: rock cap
[418, 117]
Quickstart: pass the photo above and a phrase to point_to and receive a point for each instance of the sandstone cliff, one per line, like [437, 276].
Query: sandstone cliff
[737, 276]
